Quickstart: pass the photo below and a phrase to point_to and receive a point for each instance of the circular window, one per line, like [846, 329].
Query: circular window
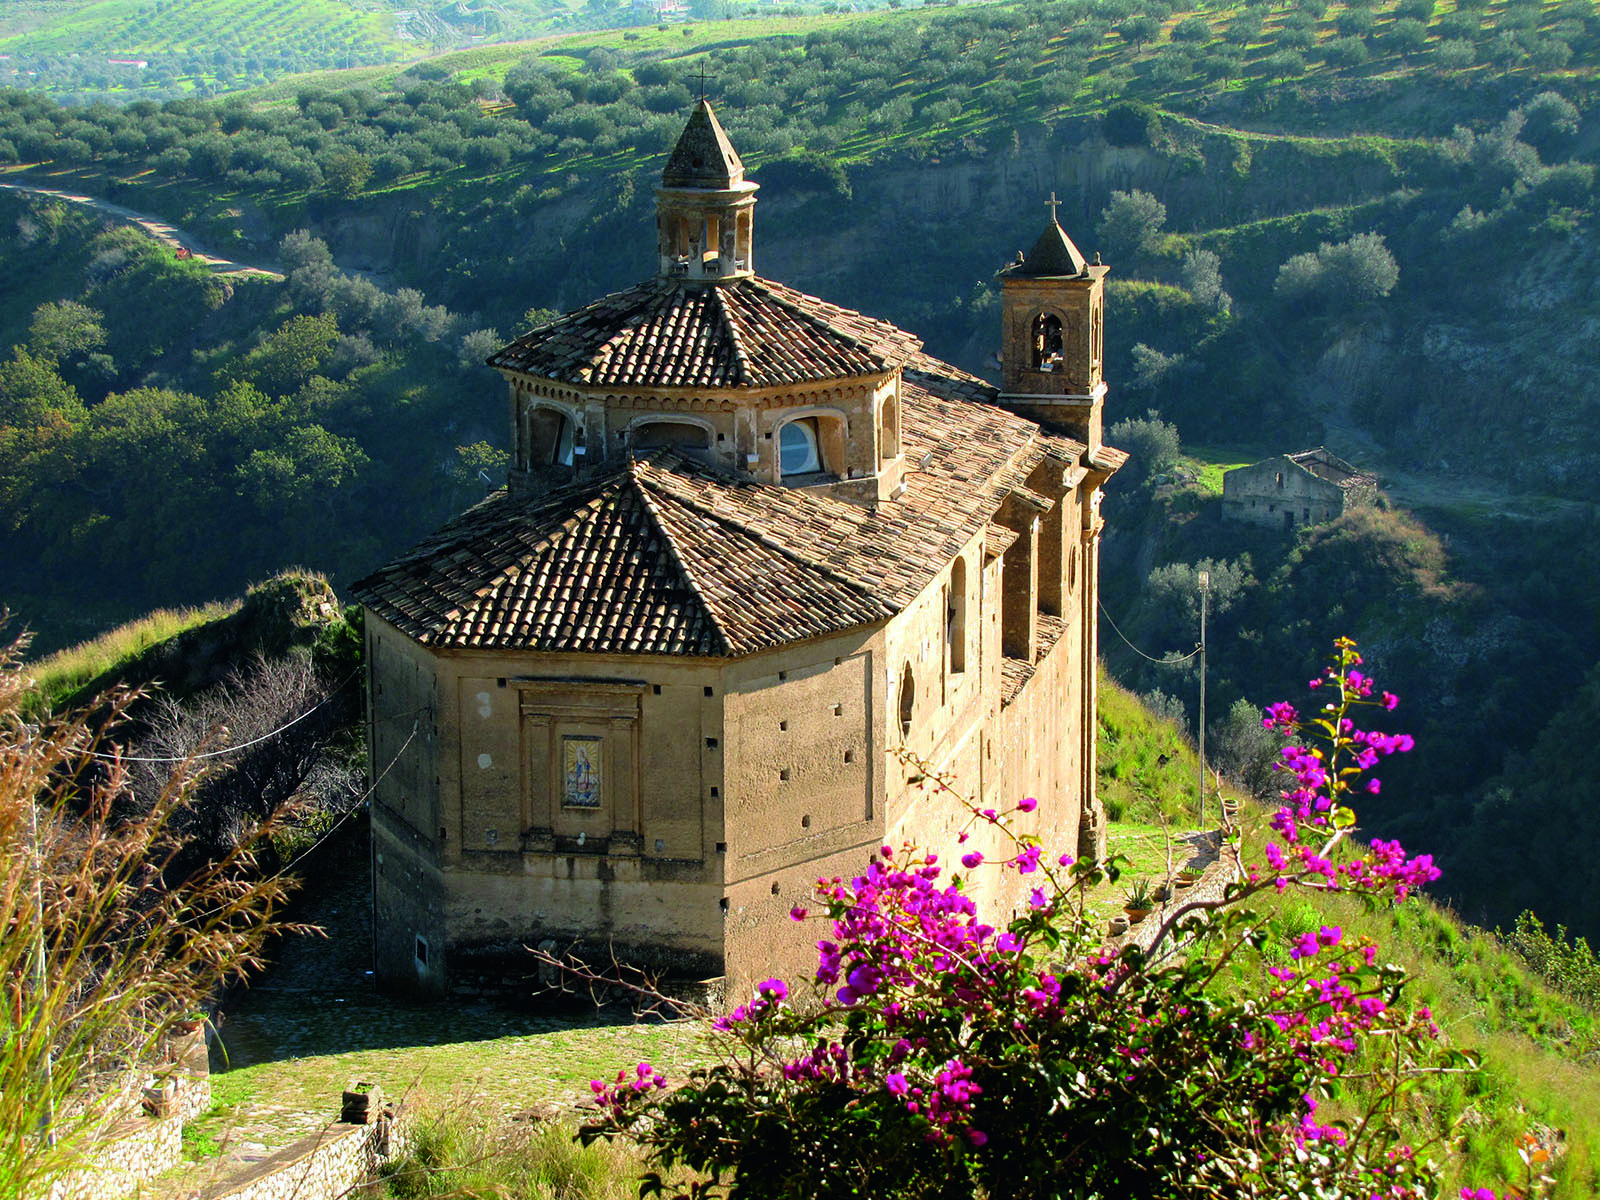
[908, 700]
[797, 448]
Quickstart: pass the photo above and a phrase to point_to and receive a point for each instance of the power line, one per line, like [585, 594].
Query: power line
[350, 812]
[1163, 662]
[183, 758]
[356, 807]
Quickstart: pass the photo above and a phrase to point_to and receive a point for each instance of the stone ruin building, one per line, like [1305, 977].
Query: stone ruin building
[1289, 491]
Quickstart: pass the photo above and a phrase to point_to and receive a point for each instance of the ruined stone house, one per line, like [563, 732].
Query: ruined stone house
[1289, 491]
[758, 557]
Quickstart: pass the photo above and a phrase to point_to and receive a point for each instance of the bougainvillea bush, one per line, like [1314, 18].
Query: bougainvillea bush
[936, 1054]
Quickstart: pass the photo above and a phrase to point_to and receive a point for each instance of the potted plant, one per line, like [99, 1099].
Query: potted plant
[360, 1103]
[1138, 901]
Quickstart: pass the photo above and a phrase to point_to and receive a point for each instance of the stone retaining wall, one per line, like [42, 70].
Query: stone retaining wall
[136, 1148]
[1221, 870]
[132, 1151]
[320, 1166]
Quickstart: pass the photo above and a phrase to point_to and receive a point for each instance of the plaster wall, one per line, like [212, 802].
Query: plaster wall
[408, 832]
[639, 861]
[804, 771]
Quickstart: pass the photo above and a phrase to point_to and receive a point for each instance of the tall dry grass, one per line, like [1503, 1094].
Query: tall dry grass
[67, 672]
[458, 1150]
[104, 944]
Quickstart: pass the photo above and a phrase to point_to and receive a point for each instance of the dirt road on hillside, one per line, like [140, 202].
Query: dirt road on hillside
[168, 235]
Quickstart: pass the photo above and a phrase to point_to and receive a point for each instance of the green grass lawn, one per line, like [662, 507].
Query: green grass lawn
[1209, 464]
[273, 1102]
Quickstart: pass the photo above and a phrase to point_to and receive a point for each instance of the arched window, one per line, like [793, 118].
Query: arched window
[713, 236]
[799, 447]
[550, 438]
[889, 430]
[680, 435]
[1046, 342]
[956, 626]
[908, 700]
[1280, 478]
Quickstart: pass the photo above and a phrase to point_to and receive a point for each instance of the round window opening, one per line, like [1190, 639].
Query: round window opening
[797, 448]
[908, 700]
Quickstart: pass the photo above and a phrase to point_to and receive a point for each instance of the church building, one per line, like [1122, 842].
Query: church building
[760, 564]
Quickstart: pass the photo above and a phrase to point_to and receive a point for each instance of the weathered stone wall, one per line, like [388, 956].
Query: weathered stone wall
[132, 1151]
[140, 1147]
[192, 1078]
[326, 1165]
[409, 833]
[1280, 494]
[1220, 863]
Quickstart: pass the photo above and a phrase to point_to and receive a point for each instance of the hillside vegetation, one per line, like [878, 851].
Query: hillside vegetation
[1530, 1011]
[1369, 225]
[1540, 1046]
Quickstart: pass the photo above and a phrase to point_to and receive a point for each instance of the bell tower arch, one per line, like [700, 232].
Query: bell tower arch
[704, 226]
[1052, 305]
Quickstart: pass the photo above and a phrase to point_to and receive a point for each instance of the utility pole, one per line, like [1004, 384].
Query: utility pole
[1200, 738]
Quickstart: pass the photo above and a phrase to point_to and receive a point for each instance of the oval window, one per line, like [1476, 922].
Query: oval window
[797, 447]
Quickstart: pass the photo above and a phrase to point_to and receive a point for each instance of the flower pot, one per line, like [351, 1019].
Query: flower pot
[1135, 915]
[361, 1103]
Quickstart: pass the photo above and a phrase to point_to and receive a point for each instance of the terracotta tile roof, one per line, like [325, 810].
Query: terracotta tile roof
[1015, 672]
[666, 555]
[929, 373]
[1014, 676]
[611, 564]
[997, 540]
[1108, 458]
[742, 333]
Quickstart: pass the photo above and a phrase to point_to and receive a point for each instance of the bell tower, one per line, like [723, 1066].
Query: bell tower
[704, 205]
[1052, 306]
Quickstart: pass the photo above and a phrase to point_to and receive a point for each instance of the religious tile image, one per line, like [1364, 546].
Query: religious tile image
[582, 772]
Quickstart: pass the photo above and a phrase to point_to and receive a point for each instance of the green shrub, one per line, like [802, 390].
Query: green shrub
[1570, 966]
